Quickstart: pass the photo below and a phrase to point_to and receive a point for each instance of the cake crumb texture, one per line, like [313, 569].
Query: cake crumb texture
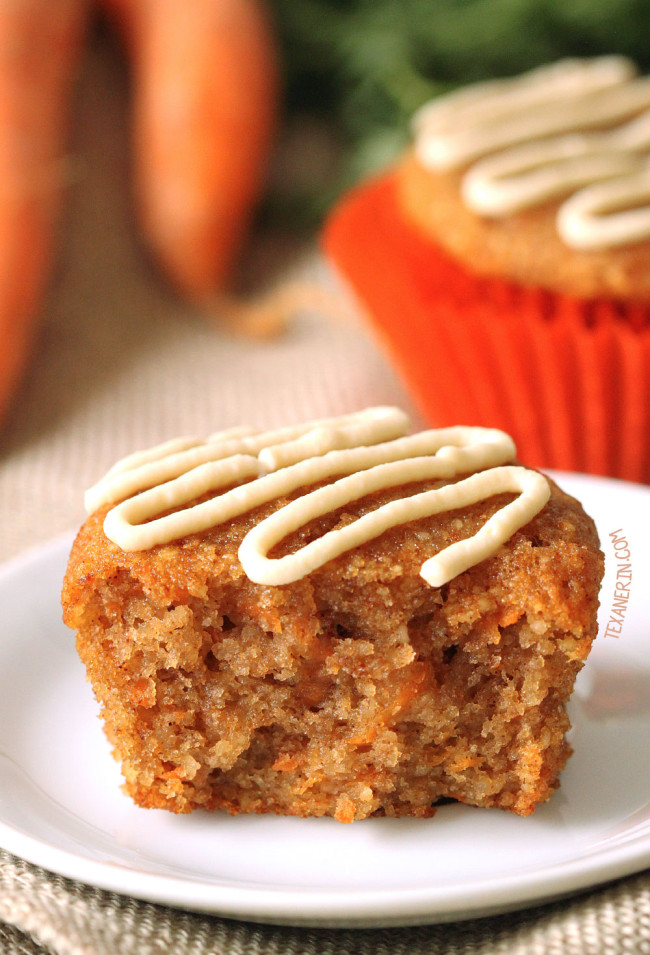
[357, 691]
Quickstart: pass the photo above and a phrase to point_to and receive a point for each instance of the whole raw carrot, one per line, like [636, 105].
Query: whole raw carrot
[39, 45]
[205, 81]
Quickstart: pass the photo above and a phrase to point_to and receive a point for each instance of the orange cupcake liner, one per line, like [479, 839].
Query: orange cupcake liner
[569, 379]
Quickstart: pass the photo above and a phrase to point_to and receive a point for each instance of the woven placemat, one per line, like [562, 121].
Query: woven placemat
[120, 364]
[72, 919]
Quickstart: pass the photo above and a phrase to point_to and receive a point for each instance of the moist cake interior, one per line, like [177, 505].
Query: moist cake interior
[355, 691]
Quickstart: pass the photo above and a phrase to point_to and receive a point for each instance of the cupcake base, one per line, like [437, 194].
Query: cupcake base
[568, 378]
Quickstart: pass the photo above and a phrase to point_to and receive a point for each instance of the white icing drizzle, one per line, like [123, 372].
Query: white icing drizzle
[550, 133]
[145, 469]
[591, 215]
[537, 172]
[439, 569]
[366, 451]
[484, 103]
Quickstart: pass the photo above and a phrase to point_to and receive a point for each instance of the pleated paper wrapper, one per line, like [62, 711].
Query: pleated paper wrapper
[568, 378]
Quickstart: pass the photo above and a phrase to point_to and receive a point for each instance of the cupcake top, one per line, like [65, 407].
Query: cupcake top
[188, 485]
[557, 158]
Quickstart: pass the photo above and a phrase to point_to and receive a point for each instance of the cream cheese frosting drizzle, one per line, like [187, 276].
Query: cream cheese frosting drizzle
[166, 461]
[548, 134]
[440, 568]
[591, 215]
[364, 452]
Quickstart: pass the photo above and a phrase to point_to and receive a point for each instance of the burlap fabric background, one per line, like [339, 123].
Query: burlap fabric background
[121, 365]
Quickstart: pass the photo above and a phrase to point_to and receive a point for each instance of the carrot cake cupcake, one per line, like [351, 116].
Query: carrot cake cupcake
[505, 262]
[337, 618]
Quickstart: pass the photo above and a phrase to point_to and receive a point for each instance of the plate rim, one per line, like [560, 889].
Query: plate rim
[346, 908]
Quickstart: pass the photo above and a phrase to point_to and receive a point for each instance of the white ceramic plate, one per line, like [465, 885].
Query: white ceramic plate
[61, 806]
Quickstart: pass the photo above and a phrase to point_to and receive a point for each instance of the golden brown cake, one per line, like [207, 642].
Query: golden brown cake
[524, 246]
[359, 688]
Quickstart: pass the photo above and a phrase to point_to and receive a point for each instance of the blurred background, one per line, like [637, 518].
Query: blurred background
[109, 342]
[359, 68]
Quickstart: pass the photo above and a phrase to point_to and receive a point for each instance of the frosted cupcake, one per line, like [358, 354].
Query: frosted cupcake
[506, 262]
